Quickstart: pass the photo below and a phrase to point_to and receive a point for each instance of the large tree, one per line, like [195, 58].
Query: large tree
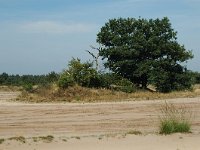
[144, 51]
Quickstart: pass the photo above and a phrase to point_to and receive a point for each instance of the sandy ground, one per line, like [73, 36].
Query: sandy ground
[93, 126]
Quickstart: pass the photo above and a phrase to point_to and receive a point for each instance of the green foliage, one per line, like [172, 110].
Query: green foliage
[66, 80]
[118, 82]
[52, 77]
[137, 48]
[3, 78]
[82, 74]
[127, 89]
[171, 78]
[28, 87]
[196, 77]
[173, 126]
[112, 78]
[174, 119]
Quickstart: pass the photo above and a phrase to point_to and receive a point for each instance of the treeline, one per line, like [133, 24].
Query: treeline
[79, 73]
[22, 80]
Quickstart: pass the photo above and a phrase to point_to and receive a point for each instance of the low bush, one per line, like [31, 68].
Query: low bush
[65, 80]
[28, 87]
[116, 82]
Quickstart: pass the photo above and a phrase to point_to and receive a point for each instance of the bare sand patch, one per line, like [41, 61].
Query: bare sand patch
[90, 121]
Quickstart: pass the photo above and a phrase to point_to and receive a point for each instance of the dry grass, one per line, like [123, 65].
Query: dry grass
[135, 132]
[10, 88]
[82, 94]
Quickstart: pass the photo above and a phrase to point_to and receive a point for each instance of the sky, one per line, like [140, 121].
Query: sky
[40, 36]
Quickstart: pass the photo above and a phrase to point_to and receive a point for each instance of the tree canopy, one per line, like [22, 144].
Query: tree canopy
[145, 51]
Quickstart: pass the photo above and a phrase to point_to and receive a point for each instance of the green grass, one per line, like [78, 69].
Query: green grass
[174, 119]
[173, 126]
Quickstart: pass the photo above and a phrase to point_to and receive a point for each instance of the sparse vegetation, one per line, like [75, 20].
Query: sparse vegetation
[2, 140]
[83, 94]
[18, 138]
[47, 139]
[64, 140]
[174, 119]
[76, 137]
[135, 132]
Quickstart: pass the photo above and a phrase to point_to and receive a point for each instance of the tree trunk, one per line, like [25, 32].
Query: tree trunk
[144, 81]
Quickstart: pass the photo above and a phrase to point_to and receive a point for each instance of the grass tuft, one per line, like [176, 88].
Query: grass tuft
[174, 119]
[135, 132]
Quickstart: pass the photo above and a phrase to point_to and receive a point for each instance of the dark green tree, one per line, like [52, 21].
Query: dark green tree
[143, 51]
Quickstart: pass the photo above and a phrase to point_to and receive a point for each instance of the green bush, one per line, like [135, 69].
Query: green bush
[120, 83]
[28, 87]
[171, 79]
[174, 119]
[65, 80]
[196, 77]
[127, 89]
[83, 73]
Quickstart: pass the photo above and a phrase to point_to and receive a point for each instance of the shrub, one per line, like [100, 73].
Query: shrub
[120, 83]
[65, 80]
[168, 80]
[82, 74]
[28, 87]
[174, 119]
